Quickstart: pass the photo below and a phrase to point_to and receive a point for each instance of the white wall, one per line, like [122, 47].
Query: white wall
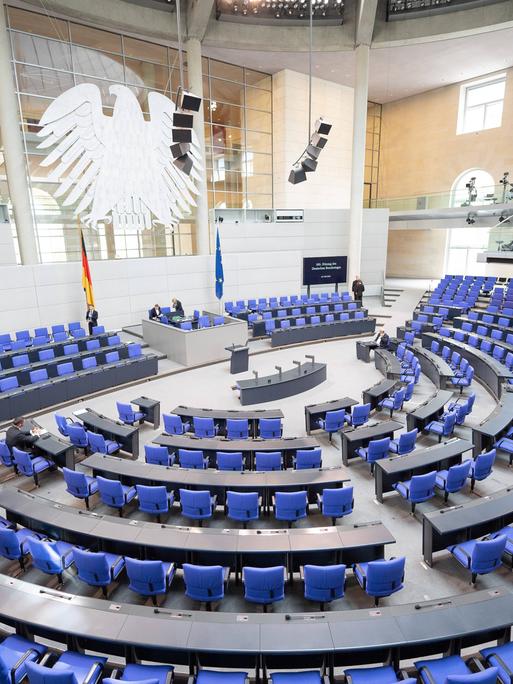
[260, 259]
[330, 184]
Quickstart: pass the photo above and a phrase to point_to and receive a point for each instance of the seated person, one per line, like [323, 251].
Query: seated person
[155, 313]
[176, 304]
[382, 339]
[20, 436]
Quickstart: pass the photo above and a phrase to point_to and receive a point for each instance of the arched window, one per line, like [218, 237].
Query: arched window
[484, 185]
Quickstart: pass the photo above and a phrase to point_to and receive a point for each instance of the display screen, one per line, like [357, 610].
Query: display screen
[324, 270]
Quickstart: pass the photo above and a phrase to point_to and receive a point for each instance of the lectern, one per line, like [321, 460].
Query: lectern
[239, 360]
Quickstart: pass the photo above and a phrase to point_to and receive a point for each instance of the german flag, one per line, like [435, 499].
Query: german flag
[87, 283]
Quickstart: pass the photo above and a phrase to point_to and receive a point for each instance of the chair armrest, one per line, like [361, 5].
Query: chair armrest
[476, 664]
[115, 673]
[171, 571]
[362, 573]
[66, 554]
[118, 560]
[427, 674]
[169, 677]
[20, 662]
[501, 662]
[402, 674]
[89, 678]
[325, 679]
[191, 679]
[469, 558]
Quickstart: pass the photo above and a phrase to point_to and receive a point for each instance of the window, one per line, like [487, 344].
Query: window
[481, 105]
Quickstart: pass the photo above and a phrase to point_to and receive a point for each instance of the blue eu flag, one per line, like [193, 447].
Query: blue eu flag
[219, 268]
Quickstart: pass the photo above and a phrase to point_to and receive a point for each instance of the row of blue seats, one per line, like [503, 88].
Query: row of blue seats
[67, 368]
[498, 352]
[300, 321]
[203, 322]
[460, 291]
[24, 340]
[200, 505]
[493, 333]
[275, 302]
[501, 299]
[480, 315]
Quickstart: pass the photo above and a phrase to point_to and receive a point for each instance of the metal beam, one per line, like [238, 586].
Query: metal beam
[198, 17]
[365, 20]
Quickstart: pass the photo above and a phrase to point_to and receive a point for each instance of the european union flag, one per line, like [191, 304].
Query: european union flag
[219, 268]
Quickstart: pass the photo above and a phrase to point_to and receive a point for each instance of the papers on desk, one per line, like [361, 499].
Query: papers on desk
[80, 412]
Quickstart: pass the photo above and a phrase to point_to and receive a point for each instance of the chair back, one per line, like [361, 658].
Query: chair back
[39, 674]
[78, 332]
[204, 427]
[112, 357]
[76, 482]
[44, 556]
[308, 458]
[237, 428]
[264, 585]
[384, 577]
[449, 423]
[152, 499]
[400, 351]
[196, 502]
[113, 340]
[334, 420]
[62, 424]
[399, 399]
[483, 464]
[204, 322]
[58, 329]
[65, 368]
[242, 505]
[92, 567]
[146, 577]
[291, 505]
[111, 492]
[156, 455]
[324, 583]
[487, 554]
[191, 459]
[173, 424]
[457, 476]
[435, 347]
[91, 345]
[46, 354]
[229, 460]
[360, 414]
[96, 442]
[38, 375]
[98, 329]
[408, 392]
[5, 454]
[337, 502]
[204, 582]
[422, 487]
[268, 460]
[378, 448]
[23, 462]
[270, 428]
[125, 412]
[69, 349]
[9, 383]
[60, 336]
[89, 362]
[21, 360]
[77, 435]
[9, 544]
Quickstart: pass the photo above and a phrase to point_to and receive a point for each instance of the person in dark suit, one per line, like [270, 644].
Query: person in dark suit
[19, 436]
[91, 318]
[382, 339]
[358, 289]
[177, 306]
[155, 313]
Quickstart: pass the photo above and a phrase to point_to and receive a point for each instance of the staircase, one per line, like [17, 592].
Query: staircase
[390, 296]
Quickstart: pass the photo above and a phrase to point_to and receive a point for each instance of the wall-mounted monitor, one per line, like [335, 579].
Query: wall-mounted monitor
[324, 270]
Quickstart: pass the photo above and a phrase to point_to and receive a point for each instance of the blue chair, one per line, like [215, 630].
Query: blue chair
[381, 577]
[307, 458]
[68, 668]
[242, 506]
[452, 669]
[65, 369]
[89, 362]
[324, 583]
[237, 428]
[264, 585]
[375, 675]
[134, 672]
[453, 479]
[13, 544]
[112, 357]
[418, 489]
[50, 557]
[216, 677]
[60, 336]
[173, 424]
[92, 345]
[405, 444]
[128, 415]
[58, 329]
[218, 320]
[77, 436]
[230, 460]
[480, 556]
[154, 500]
[63, 424]
[268, 460]
[204, 322]
[79, 484]
[98, 329]
[408, 391]
[98, 569]
[197, 504]
[192, 459]
[70, 349]
[205, 583]
[465, 381]
[359, 416]
[21, 360]
[115, 494]
[204, 427]
[158, 455]
[39, 375]
[98, 444]
[9, 383]
[393, 403]
[149, 577]
[46, 354]
[113, 341]
[501, 657]
[336, 503]
[481, 467]
[334, 421]
[186, 325]
[270, 428]
[15, 652]
[290, 506]
[5, 455]
[443, 428]
[30, 467]
[377, 449]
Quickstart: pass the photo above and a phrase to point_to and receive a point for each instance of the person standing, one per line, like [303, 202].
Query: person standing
[91, 318]
[358, 288]
[177, 306]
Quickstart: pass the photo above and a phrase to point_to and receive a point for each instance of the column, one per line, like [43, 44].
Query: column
[193, 47]
[358, 160]
[14, 152]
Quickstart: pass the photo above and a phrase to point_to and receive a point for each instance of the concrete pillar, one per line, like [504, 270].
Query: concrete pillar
[14, 153]
[358, 160]
[193, 47]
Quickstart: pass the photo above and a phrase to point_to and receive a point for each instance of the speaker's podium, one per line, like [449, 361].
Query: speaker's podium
[239, 360]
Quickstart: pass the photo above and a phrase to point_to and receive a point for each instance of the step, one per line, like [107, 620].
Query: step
[392, 289]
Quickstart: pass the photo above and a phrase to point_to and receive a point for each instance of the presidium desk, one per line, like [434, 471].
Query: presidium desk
[197, 346]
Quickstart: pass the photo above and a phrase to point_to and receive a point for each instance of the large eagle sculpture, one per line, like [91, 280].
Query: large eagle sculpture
[117, 168]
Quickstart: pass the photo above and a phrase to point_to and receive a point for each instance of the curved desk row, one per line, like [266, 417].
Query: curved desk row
[459, 320]
[433, 366]
[452, 310]
[182, 544]
[282, 384]
[492, 373]
[127, 436]
[388, 364]
[259, 330]
[255, 640]
[57, 347]
[217, 481]
[322, 331]
[220, 416]
[429, 410]
[489, 430]
[373, 395]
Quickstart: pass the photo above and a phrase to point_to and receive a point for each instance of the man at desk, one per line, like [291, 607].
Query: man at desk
[19, 436]
[382, 339]
[155, 313]
[177, 306]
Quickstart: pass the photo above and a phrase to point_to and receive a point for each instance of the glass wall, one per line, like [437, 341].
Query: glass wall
[51, 55]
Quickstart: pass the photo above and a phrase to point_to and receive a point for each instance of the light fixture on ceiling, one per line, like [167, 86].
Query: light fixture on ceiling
[332, 10]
